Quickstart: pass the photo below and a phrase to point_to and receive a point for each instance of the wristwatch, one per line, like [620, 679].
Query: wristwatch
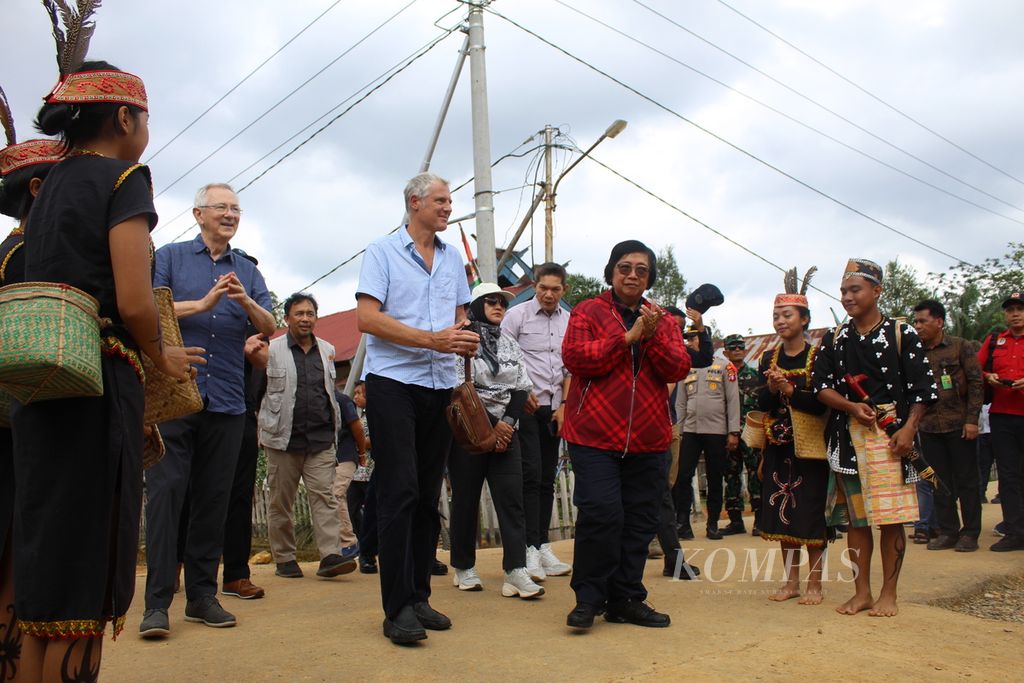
[734, 433]
[510, 421]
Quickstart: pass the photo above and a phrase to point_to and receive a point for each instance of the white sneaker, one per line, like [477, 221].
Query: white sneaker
[533, 566]
[519, 583]
[551, 564]
[468, 580]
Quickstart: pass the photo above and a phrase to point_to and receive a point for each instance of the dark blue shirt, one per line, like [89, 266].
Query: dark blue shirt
[347, 449]
[186, 267]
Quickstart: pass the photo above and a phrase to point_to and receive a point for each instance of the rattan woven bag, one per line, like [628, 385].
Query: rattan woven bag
[808, 435]
[753, 430]
[166, 397]
[49, 342]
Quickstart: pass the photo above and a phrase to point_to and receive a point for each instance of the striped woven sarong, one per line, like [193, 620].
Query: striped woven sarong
[876, 495]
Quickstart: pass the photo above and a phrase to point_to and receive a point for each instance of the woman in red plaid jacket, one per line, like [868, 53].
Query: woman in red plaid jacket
[622, 355]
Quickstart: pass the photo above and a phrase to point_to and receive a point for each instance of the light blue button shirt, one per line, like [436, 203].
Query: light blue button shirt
[395, 274]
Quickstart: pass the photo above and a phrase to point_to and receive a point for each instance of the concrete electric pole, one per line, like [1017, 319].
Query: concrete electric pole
[483, 192]
[549, 200]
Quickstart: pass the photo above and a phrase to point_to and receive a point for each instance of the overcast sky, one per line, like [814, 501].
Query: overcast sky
[956, 67]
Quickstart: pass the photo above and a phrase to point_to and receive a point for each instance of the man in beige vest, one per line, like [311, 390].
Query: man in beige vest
[298, 423]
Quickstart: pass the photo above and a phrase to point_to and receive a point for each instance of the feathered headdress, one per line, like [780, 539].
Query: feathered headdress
[15, 156]
[794, 296]
[72, 40]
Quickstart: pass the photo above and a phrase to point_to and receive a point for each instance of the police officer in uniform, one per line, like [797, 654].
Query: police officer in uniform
[748, 379]
[708, 406]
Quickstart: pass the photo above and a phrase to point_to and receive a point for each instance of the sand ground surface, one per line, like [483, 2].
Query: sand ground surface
[723, 628]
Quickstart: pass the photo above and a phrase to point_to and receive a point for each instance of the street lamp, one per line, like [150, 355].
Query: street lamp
[548, 193]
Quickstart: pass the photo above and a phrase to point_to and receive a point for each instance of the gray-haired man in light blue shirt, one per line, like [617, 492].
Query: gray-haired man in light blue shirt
[411, 297]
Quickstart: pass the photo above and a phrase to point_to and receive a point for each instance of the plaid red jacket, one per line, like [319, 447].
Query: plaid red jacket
[607, 407]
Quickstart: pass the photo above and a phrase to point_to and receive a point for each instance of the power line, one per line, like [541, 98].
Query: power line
[806, 125]
[871, 94]
[733, 145]
[386, 76]
[285, 98]
[700, 222]
[239, 83]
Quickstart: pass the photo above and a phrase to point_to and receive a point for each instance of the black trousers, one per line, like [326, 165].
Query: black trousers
[368, 531]
[238, 525]
[202, 452]
[539, 448]
[504, 475]
[355, 498]
[411, 439]
[713, 448]
[619, 504]
[986, 456]
[1008, 442]
[668, 535]
[955, 461]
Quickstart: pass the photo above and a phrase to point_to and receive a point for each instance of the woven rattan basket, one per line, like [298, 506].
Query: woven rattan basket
[753, 430]
[49, 342]
[166, 397]
[808, 435]
[153, 449]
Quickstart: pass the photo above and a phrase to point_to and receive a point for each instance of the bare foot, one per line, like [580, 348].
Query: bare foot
[885, 606]
[813, 596]
[858, 603]
[787, 592]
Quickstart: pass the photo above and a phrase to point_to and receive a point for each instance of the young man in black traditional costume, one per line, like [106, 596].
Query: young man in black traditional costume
[873, 373]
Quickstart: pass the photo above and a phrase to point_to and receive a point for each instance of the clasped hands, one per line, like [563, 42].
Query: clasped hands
[777, 382]
[647, 324]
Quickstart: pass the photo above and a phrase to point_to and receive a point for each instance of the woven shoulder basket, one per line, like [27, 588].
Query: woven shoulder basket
[49, 342]
[808, 435]
[166, 397]
[753, 430]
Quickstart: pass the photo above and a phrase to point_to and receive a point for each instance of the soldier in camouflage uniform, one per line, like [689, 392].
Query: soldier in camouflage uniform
[748, 379]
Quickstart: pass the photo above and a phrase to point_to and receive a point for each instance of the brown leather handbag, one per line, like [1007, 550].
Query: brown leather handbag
[471, 426]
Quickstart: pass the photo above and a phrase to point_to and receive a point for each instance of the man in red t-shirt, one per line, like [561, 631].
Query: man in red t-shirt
[1002, 363]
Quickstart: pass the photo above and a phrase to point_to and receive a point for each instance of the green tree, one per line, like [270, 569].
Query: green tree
[580, 287]
[973, 294]
[278, 309]
[901, 290]
[670, 290]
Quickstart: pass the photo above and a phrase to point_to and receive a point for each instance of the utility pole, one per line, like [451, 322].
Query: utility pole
[483, 192]
[549, 200]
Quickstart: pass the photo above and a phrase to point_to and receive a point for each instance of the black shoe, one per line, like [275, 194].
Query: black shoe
[636, 612]
[582, 616]
[686, 572]
[966, 544]
[439, 568]
[685, 533]
[335, 565]
[755, 531]
[714, 534]
[733, 528]
[1007, 543]
[943, 542]
[207, 610]
[430, 617]
[367, 565]
[405, 628]
[289, 570]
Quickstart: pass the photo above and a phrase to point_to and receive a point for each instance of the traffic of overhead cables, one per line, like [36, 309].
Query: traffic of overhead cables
[565, 144]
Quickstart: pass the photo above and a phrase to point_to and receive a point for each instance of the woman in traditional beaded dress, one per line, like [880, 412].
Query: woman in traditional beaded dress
[794, 488]
[78, 461]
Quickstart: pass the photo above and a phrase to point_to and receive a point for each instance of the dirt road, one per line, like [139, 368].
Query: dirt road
[723, 628]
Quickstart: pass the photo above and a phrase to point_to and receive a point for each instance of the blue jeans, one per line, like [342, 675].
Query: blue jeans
[926, 503]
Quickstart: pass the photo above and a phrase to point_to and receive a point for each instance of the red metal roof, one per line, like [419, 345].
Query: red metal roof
[759, 343]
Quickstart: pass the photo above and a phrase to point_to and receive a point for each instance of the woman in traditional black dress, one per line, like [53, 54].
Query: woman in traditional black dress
[793, 489]
[78, 461]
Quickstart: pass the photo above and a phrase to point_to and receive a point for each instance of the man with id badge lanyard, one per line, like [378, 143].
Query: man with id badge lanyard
[949, 428]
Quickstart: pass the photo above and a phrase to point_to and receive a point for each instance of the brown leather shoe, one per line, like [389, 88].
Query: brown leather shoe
[244, 589]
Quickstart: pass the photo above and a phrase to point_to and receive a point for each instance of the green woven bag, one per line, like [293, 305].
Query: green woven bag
[49, 342]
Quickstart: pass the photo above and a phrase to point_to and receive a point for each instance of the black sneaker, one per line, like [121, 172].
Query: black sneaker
[430, 617]
[289, 570]
[439, 568]
[685, 532]
[966, 544]
[335, 565]
[686, 572]
[734, 528]
[207, 610]
[582, 616]
[714, 534]
[636, 612]
[367, 564]
[943, 542]
[1007, 543]
[405, 628]
[154, 624]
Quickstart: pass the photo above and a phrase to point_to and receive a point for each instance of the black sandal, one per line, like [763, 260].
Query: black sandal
[921, 537]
